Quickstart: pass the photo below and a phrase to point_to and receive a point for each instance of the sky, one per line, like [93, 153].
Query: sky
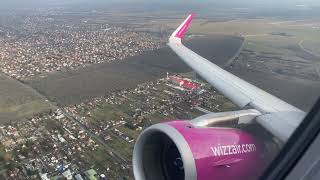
[183, 4]
[274, 2]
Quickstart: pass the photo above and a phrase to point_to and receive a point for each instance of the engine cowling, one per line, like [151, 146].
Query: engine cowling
[178, 150]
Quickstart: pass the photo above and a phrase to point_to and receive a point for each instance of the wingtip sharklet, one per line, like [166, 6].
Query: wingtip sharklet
[181, 30]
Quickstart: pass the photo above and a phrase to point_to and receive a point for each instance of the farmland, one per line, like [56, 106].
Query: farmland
[18, 101]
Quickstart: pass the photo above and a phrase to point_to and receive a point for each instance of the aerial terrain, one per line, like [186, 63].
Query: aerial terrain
[78, 83]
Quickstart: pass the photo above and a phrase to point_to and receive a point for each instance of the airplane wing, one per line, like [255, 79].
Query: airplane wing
[278, 117]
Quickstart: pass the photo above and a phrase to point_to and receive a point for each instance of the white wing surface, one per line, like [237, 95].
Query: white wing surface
[279, 117]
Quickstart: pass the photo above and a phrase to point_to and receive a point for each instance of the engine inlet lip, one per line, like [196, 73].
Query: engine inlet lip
[175, 136]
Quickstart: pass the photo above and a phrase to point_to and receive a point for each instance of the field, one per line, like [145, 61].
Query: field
[278, 55]
[18, 101]
[263, 34]
[73, 87]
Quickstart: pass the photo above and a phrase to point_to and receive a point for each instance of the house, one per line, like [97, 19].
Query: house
[91, 174]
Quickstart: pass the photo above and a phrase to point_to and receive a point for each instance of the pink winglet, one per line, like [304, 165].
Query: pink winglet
[180, 34]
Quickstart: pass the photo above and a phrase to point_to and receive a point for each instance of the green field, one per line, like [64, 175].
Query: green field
[100, 159]
[107, 113]
[263, 35]
[18, 101]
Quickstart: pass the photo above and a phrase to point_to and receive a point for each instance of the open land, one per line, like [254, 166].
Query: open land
[99, 133]
[19, 101]
[296, 82]
[107, 92]
[280, 56]
[75, 86]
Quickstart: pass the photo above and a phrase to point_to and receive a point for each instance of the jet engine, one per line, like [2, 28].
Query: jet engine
[200, 149]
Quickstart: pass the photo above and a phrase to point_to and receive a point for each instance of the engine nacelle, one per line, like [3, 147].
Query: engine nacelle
[179, 150]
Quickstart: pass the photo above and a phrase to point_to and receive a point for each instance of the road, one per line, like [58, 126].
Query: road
[118, 157]
[111, 151]
[306, 50]
[231, 60]
[316, 64]
[203, 110]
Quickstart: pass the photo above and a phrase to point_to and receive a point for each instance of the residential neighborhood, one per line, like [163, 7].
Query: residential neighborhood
[42, 44]
[95, 139]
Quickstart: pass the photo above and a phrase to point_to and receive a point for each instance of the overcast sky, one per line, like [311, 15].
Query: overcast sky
[275, 2]
[256, 4]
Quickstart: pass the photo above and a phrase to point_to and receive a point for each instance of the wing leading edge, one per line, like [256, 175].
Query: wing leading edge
[279, 117]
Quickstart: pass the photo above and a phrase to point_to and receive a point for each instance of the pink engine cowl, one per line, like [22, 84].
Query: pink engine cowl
[180, 151]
